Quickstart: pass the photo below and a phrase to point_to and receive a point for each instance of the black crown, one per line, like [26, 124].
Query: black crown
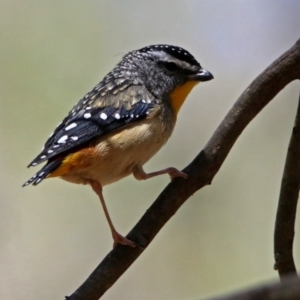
[175, 51]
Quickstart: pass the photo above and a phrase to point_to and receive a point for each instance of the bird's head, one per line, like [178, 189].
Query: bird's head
[168, 72]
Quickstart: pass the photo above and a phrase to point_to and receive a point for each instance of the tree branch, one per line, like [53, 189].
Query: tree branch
[201, 172]
[287, 205]
[287, 290]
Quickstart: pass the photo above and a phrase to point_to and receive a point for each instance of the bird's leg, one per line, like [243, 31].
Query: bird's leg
[140, 174]
[118, 238]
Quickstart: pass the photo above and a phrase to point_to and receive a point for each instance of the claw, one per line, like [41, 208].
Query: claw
[120, 239]
[173, 172]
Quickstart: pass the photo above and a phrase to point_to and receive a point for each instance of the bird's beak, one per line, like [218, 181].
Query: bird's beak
[202, 75]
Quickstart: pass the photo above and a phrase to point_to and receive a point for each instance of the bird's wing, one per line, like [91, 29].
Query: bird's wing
[94, 117]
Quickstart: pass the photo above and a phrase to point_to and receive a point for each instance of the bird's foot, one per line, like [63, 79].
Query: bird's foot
[120, 239]
[174, 173]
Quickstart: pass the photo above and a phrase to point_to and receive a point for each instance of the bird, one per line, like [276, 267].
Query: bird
[122, 122]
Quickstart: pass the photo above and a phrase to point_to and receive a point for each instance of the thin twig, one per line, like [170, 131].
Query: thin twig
[201, 172]
[287, 205]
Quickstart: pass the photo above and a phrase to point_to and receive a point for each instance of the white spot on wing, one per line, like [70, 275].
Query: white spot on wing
[50, 151]
[87, 115]
[71, 126]
[62, 140]
[103, 116]
[43, 156]
[74, 138]
[117, 116]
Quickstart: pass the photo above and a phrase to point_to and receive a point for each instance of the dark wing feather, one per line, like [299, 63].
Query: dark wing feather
[89, 123]
[44, 172]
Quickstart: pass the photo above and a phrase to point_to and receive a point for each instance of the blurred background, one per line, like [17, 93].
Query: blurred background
[53, 236]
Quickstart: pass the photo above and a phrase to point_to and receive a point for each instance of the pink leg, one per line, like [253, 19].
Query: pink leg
[118, 238]
[140, 174]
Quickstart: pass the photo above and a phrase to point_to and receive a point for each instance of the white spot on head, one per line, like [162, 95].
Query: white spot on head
[117, 116]
[71, 126]
[74, 138]
[62, 140]
[103, 116]
[87, 115]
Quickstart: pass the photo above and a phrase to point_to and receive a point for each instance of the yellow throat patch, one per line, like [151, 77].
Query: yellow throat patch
[180, 93]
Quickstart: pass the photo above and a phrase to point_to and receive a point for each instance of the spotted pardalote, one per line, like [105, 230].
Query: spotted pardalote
[122, 122]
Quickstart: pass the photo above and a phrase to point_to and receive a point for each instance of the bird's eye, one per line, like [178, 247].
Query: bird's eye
[170, 66]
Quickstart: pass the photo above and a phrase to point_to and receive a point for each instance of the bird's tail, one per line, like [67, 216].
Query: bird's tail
[44, 172]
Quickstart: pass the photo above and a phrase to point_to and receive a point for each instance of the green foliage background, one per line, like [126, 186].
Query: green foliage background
[53, 236]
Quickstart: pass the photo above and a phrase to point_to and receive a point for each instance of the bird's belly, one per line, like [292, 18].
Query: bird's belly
[114, 156]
